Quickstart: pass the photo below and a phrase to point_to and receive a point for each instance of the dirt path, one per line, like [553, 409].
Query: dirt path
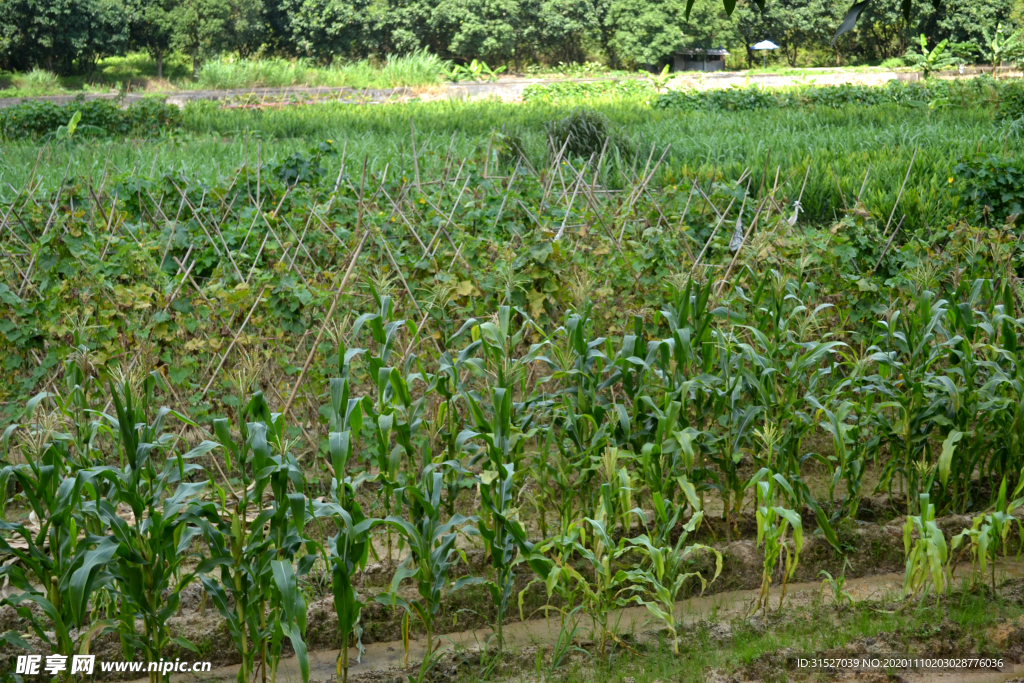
[389, 656]
[509, 89]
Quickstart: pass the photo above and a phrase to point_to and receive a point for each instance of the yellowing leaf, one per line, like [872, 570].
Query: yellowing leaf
[466, 288]
[536, 300]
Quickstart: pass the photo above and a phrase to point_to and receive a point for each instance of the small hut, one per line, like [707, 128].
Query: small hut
[700, 59]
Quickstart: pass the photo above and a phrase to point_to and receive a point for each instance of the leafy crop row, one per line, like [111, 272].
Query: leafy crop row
[145, 118]
[566, 366]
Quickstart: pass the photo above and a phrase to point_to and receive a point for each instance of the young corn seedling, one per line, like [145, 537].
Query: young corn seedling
[773, 525]
[841, 597]
[987, 535]
[927, 554]
[666, 575]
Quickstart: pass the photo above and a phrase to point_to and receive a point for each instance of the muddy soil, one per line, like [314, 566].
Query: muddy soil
[873, 550]
[384, 662]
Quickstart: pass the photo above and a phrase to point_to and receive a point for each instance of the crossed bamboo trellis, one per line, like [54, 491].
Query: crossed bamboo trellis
[566, 183]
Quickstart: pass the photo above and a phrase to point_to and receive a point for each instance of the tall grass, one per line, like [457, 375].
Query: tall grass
[415, 69]
[35, 82]
[843, 142]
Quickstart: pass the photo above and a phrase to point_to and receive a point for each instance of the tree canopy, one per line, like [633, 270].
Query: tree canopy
[66, 36]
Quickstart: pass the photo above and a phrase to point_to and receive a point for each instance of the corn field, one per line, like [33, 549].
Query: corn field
[586, 374]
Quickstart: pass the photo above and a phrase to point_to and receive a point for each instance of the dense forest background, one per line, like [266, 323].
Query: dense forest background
[71, 36]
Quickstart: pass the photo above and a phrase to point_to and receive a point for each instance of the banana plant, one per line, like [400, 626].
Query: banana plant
[930, 61]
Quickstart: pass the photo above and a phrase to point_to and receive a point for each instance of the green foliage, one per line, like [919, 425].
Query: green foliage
[998, 47]
[926, 551]
[474, 71]
[568, 92]
[147, 117]
[646, 32]
[323, 29]
[753, 98]
[666, 576]
[929, 61]
[584, 133]
[1011, 103]
[992, 186]
[60, 35]
[773, 525]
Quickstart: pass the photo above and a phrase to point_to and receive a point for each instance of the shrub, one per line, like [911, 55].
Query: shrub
[753, 98]
[993, 187]
[583, 133]
[37, 81]
[563, 92]
[99, 117]
[1011, 103]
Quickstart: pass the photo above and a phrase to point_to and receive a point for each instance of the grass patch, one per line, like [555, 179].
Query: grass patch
[751, 650]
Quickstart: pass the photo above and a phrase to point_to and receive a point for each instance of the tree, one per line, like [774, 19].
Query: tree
[324, 29]
[709, 26]
[199, 28]
[883, 32]
[247, 29]
[963, 21]
[152, 28]
[61, 35]
[204, 28]
[564, 25]
[647, 31]
[802, 23]
[493, 30]
[751, 26]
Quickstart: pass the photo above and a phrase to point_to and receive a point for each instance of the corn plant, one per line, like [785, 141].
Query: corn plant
[431, 544]
[244, 535]
[383, 413]
[907, 352]
[599, 592]
[841, 597]
[987, 536]
[56, 569]
[773, 525]
[348, 550]
[666, 575]
[927, 554]
[347, 553]
[161, 529]
[498, 524]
